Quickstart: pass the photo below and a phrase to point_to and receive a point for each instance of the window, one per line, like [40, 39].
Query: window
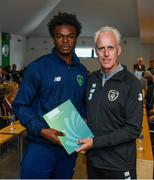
[85, 52]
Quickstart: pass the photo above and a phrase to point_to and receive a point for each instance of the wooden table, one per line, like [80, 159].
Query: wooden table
[5, 138]
[15, 130]
[145, 157]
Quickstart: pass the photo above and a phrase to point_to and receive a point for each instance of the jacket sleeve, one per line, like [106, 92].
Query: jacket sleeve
[22, 105]
[133, 123]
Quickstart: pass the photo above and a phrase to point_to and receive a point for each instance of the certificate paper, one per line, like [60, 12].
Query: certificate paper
[65, 118]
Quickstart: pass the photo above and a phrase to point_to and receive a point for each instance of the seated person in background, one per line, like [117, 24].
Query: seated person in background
[8, 98]
[3, 92]
[144, 81]
[139, 68]
[151, 70]
[150, 97]
[1, 75]
[7, 73]
[15, 75]
[151, 116]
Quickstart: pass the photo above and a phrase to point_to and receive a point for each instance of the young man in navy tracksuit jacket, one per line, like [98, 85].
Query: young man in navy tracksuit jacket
[49, 81]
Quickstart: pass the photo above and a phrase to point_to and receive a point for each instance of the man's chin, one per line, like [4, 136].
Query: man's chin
[66, 53]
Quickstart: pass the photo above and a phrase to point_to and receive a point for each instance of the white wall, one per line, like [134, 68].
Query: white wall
[92, 64]
[18, 51]
[37, 47]
[131, 50]
[24, 50]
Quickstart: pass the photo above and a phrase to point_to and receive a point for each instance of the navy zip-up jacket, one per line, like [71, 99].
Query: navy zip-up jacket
[48, 82]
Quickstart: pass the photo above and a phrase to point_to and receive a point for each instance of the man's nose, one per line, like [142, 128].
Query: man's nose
[65, 39]
[106, 52]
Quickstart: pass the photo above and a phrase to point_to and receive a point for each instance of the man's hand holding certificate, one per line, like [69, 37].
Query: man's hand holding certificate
[52, 135]
[66, 119]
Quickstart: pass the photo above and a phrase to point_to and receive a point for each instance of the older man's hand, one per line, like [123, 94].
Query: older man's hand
[86, 144]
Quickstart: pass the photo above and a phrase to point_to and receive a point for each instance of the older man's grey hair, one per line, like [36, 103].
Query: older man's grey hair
[108, 29]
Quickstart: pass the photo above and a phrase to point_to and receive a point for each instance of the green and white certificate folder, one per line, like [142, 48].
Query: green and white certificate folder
[65, 118]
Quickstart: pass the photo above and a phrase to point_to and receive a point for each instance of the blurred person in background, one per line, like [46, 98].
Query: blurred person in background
[7, 97]
[15, 74]
[151, 70]
[139, 68]
[150, 95]
[11, 90]
[1, 75]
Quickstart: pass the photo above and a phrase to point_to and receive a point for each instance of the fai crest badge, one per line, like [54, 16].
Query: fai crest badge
[80, 80]
[113, 95]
